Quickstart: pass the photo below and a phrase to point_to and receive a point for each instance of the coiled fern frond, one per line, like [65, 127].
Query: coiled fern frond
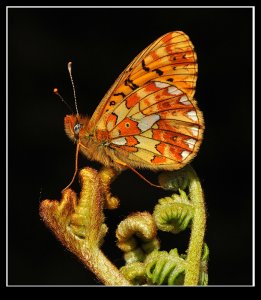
[174, 181]
[145, 264]
[166, 268]
[137, 236]
[174, 214]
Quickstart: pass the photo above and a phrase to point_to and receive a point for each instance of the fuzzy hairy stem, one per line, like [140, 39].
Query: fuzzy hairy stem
[197, 230]
[79, 225]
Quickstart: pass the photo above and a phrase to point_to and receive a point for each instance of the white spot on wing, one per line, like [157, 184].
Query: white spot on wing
[185, 154]
[191, 143]
[161, 84]
[184, 100]
[194, 131]
[147, 122]
[174, 91]
[192, 115]
[120, 141]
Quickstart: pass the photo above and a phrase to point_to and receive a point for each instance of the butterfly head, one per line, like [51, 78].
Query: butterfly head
[76, 126]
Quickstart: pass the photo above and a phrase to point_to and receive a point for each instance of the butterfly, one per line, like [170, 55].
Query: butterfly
[149, 117]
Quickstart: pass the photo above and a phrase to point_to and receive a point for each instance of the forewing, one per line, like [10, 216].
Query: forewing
[171, 58]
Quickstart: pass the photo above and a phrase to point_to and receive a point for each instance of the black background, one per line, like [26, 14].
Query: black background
[101, 43]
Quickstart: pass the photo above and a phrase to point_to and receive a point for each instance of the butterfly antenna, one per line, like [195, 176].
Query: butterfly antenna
[74, 93]
[61, 98]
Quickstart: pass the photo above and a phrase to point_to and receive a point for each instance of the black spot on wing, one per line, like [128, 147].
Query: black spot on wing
[144, 66]
[128, 82]
[158, 71]
[120, 94]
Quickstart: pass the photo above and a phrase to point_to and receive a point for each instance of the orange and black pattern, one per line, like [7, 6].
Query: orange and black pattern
[150, 112]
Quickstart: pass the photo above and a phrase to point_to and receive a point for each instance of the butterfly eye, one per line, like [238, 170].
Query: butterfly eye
[77, 128]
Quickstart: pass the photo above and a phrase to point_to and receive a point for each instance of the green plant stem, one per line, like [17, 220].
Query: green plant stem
[100, 265]
[90, 207]
[197, 230]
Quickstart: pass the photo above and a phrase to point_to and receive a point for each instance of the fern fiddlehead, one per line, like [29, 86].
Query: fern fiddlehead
[165, 268]
[137, 236]
[174, 214]
[162, 267]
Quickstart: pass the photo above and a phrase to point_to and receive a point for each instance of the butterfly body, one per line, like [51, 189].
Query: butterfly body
[149, 118]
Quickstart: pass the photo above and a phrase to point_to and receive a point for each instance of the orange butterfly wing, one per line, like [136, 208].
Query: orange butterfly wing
[172, 54]
[149, 114]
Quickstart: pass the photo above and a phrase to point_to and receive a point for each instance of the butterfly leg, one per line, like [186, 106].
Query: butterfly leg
[107, 175]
